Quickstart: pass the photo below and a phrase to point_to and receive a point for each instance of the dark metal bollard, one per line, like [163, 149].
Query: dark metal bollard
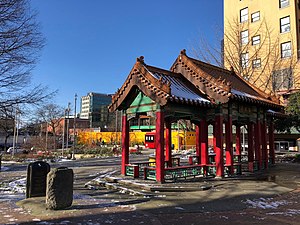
[59, 193]
[36, 179]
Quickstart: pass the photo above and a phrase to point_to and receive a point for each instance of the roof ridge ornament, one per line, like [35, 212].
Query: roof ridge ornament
[183, 52]
[141, 59]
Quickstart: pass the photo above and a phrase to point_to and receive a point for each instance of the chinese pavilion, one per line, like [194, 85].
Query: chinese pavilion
[205, 95]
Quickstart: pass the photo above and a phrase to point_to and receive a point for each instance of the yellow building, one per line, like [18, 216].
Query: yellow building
[261, 42]
[180, 139]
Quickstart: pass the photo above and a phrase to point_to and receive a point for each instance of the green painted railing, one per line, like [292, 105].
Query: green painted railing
[129, 170]
[237, 158]
[141, 166]
[149, 173]
[255, 165]
[132, 170]
[237, 169]
[175, 173]
[211, 170]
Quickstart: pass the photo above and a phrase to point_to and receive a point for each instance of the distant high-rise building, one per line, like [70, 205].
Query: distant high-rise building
[94, 107]
[261, 42]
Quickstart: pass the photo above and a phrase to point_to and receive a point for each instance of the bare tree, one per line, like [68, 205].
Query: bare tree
[257, 58]
[20, 44]
[50, 115]
[7, 121]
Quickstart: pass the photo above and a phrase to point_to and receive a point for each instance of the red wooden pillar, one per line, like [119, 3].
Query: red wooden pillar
[125, 143]
[219, 145]
[271, 142]
[159, 145]
[238, 142]
[229, 150]
[258, 157]
[204, 142]
[264, 144]
[198, 140]
[250, 147]
[168, 143]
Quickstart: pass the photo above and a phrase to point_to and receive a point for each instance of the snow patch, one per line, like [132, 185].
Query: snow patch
[45, 222]
[263, 203]
[289, 212]
[4, 168]
[14, 187]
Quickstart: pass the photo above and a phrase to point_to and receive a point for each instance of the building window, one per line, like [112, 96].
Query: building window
[244, 60]
[282, 79]
[285, 24]
[255, 16]
[286, 50]
[244, 37]
[256, 40]
[284, 3]
[256, 63]
[244, 15]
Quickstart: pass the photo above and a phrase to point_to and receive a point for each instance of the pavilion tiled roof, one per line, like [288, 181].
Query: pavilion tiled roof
[221, 84]
[190, 82]
[181, 90]
[160, 85]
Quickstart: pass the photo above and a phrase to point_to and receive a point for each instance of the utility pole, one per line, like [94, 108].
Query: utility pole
[68, 115]
[74, 126]
[63, 136]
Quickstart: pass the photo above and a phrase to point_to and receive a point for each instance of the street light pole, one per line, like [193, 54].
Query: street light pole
[74, 127]
[74, 123]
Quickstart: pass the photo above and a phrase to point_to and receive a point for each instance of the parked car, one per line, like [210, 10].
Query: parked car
[17, 150]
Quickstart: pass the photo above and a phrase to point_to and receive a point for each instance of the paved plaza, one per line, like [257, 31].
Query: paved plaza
[271, 198]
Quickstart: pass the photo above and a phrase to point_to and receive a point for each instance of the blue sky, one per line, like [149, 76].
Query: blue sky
[91, 45]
